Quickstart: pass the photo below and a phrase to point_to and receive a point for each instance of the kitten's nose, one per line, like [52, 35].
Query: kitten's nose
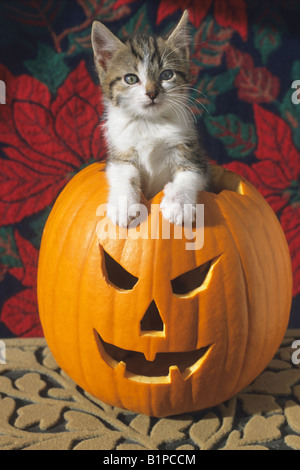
[152, 94]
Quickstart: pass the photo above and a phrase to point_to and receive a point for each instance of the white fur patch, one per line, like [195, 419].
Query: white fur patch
[123, 196]
[153, 138]
[180, 197]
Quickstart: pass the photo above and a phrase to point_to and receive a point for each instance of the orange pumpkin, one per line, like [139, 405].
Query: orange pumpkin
[145, 324]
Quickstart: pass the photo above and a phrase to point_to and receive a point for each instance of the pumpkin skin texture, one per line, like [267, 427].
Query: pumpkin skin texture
[127, 323]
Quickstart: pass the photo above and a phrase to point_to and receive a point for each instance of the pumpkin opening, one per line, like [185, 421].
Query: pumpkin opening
[223, 180]
[115, 273]
[189, 281]
[151, 322]
[135, 366]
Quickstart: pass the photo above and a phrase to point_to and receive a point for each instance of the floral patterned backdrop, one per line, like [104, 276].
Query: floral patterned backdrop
[245, 58]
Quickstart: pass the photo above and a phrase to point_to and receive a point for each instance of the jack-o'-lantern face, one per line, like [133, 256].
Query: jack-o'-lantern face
[135, 365]
[145, 324]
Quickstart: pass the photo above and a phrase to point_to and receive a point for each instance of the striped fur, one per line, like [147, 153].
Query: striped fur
[149, 125]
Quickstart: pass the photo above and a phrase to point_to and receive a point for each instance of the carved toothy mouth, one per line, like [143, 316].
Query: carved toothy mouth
[135, 366]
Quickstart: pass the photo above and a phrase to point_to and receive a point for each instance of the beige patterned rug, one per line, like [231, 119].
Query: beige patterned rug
[42, 409]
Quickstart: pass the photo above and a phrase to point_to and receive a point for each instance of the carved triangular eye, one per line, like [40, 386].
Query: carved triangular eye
[189, 281]
[117, 275]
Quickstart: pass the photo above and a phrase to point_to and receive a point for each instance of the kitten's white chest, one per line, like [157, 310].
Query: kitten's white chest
[154, 141]
[155, 168]
[147, 139]
[151, 139]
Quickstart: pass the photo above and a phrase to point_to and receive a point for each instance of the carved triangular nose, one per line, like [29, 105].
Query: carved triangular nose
[152, 321]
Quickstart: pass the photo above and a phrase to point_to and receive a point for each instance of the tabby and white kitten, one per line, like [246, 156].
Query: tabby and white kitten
[152, 138]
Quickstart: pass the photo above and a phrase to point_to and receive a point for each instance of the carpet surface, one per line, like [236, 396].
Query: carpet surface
[41, 408]
[245, 65]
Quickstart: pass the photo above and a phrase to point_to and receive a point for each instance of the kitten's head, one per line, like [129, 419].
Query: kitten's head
[146, 76]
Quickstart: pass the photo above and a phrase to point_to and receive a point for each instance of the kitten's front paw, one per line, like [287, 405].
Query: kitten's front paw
[178, 213]
[177, 207]
[123, 211]
[117, 216]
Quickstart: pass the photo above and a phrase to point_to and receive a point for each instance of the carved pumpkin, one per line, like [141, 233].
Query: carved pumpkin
[146, 324]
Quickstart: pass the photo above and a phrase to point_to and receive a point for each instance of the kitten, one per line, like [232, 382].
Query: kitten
[152, 138]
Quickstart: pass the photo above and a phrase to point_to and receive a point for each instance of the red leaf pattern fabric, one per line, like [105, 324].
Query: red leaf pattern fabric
[46, 141]
[255, 84]
[290, 221]
[244, 59]
[168, 7]
[20, 313]
[232, 14]
[275, 142]
[274, 176]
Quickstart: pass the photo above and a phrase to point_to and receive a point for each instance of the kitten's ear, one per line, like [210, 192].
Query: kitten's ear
[104, 44]
[179, 37]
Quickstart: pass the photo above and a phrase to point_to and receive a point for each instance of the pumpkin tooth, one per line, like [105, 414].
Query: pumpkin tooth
[174, 374]
[150, 356]
[121, 369]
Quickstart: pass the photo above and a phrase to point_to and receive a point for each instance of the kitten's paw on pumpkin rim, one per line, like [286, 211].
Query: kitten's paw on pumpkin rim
[178, 213]
[121, 216]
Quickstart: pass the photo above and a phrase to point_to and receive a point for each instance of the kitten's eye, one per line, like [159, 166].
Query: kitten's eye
[166, 75]
[131, 79]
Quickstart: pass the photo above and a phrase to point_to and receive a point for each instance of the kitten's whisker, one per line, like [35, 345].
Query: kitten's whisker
[180, 115]
[189, 99]
[188, 87]
[164, 56]
[196, 43]
[179, 106]
[186, 99]
[194, 102]
[173, 108]
[184, 96]
[203, 106]
[175, 61]
[186, 107]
